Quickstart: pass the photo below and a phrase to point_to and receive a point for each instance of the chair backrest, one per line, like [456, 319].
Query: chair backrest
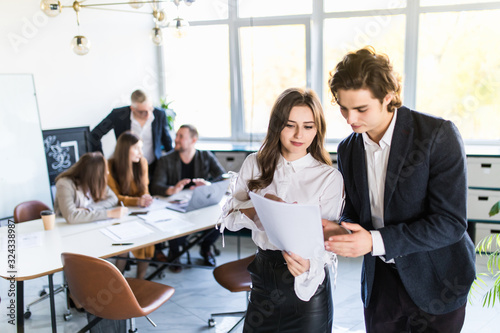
[234, 275]
[29, 210]
[99, 287]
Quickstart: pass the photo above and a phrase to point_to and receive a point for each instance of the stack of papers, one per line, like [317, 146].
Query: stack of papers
[126, 231]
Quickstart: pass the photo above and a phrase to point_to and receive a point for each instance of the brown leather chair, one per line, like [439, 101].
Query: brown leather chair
[235, 277]
[104, 292]
[29, 210]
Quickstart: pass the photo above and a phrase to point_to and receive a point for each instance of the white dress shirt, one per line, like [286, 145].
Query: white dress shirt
[146, 134]
[377, 157]
[305, 181]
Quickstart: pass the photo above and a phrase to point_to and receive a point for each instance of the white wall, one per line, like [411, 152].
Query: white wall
[77, 90]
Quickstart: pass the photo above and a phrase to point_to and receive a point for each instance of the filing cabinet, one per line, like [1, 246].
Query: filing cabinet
[483, 173]
[231, 160]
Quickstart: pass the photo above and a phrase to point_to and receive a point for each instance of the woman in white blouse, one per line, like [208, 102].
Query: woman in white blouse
[289, 293]
[82, 193]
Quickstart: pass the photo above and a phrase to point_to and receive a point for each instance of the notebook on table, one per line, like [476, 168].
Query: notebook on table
[200, 197]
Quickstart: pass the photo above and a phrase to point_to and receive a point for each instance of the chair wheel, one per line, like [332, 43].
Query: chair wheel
[27, 315]
[42, 293]
[211, 322]
[67, 316]
[162, 275]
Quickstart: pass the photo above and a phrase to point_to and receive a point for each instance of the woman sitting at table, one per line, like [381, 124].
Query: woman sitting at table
[83, 194]
[128, 178]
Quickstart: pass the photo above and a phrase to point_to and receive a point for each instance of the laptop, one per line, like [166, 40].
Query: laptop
[200, 197]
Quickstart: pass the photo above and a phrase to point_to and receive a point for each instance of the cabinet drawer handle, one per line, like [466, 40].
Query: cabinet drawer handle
[230, 159]
[495, 231]
[485, 165]
[482, 198]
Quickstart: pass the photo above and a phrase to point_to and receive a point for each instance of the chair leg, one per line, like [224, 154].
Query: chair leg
[132, 328]
[90, 325]
[150, 321]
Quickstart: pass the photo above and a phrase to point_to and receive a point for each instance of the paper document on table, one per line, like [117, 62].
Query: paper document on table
[170, 224]
[126, 231]
[157, 215]
[291, 227]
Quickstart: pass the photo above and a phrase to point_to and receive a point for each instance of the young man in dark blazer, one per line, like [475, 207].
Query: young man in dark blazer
[187, 167]
[406, 190]
[149, 123]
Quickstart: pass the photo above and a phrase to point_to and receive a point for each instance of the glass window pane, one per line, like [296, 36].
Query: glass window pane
[459, 70]
[200, 10]
[273, 58]
[450, 2]
[385, 33]
[197, 79]
[343, 6]
[262, 8]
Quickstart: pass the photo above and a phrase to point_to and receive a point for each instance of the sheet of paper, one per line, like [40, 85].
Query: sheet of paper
[157, 215]
[291, 227]
[170, 224]
[126, 231]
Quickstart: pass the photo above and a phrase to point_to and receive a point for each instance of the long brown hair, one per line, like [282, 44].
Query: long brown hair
[366, 69]
[122, 169]
[269, 154]
[89, 174]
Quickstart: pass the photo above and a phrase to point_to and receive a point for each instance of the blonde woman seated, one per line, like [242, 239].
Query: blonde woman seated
[82, 192]
[128, 178]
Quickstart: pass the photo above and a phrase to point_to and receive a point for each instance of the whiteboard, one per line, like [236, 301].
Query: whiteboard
[23, 169]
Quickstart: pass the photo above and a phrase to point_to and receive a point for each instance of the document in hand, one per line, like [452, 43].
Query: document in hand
[291, 227]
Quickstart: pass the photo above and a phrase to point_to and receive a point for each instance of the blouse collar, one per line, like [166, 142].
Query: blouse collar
[297, 165]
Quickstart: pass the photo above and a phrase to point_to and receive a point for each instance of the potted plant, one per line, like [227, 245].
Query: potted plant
[484, 247]
[170, 112]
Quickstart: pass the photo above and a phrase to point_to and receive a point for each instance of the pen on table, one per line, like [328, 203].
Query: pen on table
[119, 244]
[121, 203]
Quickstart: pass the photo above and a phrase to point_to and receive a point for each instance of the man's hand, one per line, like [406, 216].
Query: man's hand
[332, 228]
[178, 187]
[296, 264]
[353, 245]
[199, 182]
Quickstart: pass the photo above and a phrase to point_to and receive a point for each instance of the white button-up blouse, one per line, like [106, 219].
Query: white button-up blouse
[304, 181]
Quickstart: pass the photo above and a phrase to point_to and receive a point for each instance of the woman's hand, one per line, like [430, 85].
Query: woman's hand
[145, 200]
[117, 212]
[273, 197]
[296, 264]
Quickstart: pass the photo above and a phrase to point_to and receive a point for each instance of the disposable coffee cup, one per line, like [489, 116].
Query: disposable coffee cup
[48, 218]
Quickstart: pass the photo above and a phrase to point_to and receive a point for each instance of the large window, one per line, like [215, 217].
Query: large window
[238, 55]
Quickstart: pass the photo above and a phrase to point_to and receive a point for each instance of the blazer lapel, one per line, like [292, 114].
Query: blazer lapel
[400, 145]
[360, 176]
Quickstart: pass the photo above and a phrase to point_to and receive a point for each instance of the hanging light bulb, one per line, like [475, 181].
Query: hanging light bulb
[50, 7]
[80, 45]
[156, 36]
[136, 3]
[188, 2]
[179, 26]
[160, 17]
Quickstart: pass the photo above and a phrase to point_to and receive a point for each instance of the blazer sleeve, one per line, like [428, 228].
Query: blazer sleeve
[215, 168]
[106, 125]
[68, 205]
[159, 184]
[166, 139]
[443, 219]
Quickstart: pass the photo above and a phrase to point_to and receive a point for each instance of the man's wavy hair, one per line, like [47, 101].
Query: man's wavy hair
[365, 69]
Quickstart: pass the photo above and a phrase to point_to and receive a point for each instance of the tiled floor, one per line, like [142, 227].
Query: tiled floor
[198, 295]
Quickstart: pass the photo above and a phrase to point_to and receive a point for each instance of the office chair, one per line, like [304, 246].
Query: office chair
[28, 211]
[234, 277]
[103, 291]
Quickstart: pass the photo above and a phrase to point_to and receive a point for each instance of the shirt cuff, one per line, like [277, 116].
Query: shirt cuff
[378, 243]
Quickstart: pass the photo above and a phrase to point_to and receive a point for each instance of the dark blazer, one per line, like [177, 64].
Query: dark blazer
[168, 170]
[424, 210]
[119, 120]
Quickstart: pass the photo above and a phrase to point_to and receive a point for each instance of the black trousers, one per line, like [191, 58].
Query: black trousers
[175, 244]
[274, 306]
[391, 309]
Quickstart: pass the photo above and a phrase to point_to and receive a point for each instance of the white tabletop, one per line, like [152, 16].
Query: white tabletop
[39, 251]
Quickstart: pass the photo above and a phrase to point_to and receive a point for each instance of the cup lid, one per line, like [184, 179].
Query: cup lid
[46, 212]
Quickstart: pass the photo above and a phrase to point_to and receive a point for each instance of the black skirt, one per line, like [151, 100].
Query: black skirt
[274, 306]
